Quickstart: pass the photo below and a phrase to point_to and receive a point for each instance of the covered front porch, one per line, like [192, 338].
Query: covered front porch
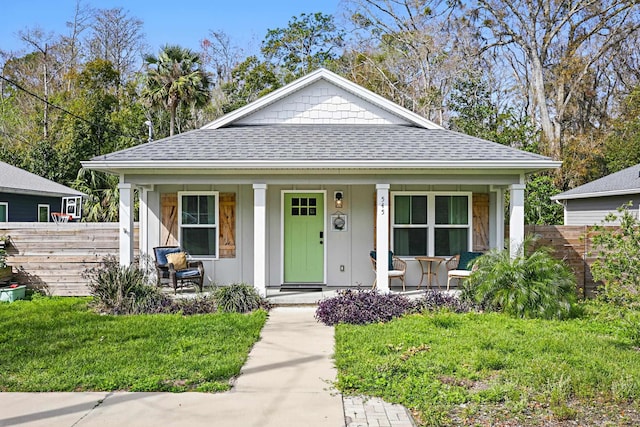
[252, 235]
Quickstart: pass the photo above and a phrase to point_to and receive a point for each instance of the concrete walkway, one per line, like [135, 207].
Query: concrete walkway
[285, 382]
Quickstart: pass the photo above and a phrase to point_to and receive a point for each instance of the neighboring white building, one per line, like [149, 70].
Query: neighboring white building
[590, 203]
[297, 187]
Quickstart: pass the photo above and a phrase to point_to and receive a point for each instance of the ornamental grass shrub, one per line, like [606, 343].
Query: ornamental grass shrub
[531, 285]
[238, 298]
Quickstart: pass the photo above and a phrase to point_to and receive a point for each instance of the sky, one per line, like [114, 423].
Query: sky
[183, 22]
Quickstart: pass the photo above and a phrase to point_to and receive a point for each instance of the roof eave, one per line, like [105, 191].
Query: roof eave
[593, 194]
[527, 166]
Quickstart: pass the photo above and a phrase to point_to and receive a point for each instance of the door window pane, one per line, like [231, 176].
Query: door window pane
[3, 212]
[43, 213]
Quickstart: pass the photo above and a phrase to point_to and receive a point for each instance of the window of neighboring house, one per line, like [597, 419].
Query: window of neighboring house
[428, 223]
[72, 206]
[4, 211]
[198, 222]
[43, 213]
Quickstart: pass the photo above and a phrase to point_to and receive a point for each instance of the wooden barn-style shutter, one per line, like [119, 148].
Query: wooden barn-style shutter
[227, 225]
[169, 219]
[480, 222]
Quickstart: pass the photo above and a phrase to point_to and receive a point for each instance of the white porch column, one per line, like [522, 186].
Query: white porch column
[126, 223]
[260, 238]
[382, 237]
[143, 223]
[516, 221]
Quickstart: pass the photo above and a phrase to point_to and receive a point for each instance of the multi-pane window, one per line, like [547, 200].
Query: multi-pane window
[199, 223]
[430, 223]
[4, 212]
[303, 206]
[411, 231]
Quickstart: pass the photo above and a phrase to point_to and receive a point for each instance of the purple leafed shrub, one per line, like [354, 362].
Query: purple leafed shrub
[435, 300]
[358, 307]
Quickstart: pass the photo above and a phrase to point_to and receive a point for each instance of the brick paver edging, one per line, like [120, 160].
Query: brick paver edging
[362, 411]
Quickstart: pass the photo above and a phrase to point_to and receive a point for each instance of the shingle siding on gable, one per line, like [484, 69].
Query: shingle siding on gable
[322, 103]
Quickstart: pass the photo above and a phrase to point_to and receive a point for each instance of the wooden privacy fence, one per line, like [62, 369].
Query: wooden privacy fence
[574, 246]
[54, 256]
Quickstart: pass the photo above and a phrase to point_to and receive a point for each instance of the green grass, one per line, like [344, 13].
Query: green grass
[58, 344]
[447, 365]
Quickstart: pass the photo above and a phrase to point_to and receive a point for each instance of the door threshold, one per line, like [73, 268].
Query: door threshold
[311, 287]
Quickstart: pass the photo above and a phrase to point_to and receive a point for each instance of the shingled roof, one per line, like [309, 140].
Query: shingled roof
[323, 143]
[626, 181]
[16, 180]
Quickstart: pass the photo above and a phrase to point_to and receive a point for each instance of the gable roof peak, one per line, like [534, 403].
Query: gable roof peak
[334, 79]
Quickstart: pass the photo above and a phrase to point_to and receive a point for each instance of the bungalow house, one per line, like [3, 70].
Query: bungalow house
[26, 197]
[590, 203]
[299, 186]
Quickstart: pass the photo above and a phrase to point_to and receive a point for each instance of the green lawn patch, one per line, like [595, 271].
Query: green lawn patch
[59, 344]
[461, 369]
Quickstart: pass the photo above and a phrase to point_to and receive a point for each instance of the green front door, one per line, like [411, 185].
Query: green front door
[303, 237]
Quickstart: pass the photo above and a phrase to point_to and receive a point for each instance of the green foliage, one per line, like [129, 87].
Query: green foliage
[476, 114]
[622, 146]
[439, 363]
[310, 41]
[618, 262]
[176, 78]
[539, 208]
[531, 285]
[102, 203]
[58, 344]
[250, 80]
[238, 298]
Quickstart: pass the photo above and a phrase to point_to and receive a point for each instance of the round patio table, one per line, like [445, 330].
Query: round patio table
[431, 263]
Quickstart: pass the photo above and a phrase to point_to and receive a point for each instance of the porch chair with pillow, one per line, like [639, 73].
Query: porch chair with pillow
[460, 266]
[174, 267]
[397, 268]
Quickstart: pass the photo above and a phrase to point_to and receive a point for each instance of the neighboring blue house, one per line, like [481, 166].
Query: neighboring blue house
[26, 197]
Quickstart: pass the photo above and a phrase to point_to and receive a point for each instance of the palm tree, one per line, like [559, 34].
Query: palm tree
[176, 76]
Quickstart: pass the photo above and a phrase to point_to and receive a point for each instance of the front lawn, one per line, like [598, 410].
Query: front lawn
[492, 369]
[58, 344]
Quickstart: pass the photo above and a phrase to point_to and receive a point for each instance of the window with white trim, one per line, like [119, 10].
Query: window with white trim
[43, 213]
[431, 223]
[198, 222]
[72, 206]
[4, 211]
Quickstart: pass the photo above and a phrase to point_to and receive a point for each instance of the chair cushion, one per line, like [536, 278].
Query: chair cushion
[189, 272]
[161, 254]
[372, 254]
[466, 258]
[396, 273]
[178, 259]
[459, 273]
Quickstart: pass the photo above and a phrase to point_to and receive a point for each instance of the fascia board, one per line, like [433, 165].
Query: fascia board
[596, 194]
